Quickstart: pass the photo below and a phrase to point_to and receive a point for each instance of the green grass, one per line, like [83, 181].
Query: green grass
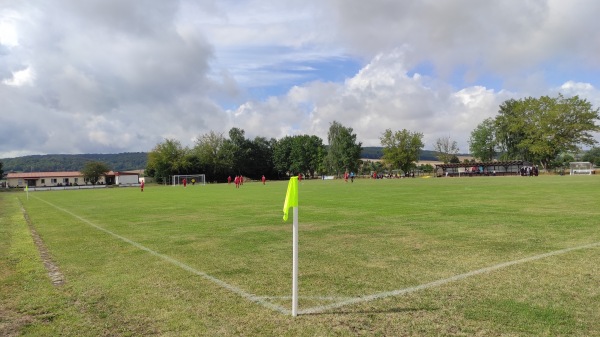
[356, 239]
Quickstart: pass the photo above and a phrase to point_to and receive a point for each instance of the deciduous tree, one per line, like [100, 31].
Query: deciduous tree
[166, 159]
[539, 129]
[482, 144]
[93, 170]
[299, 154]
[445, 148]
[593, 156]
[401, 149]
[344, 151]
[214, 154]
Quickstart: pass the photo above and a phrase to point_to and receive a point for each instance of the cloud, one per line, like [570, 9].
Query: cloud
[381, 96]
[109, 76]
[114, 76]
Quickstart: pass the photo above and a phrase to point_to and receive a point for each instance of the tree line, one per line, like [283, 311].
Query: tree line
[546, 131]
[220, 157]
[539, 130]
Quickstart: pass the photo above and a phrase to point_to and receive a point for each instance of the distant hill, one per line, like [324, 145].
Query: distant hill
[74, 162]
[126, 161]
[376, 152]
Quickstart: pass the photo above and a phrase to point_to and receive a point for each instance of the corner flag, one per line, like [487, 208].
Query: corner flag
[291, 201]
[291, 197]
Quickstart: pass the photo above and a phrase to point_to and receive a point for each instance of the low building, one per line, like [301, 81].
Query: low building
[122, 178]
[69, 178]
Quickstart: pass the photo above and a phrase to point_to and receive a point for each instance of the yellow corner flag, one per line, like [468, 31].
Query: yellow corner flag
[26, 188]
[291, 197]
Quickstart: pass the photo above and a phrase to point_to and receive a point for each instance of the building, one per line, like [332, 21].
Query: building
[501, 168]
[70, 178]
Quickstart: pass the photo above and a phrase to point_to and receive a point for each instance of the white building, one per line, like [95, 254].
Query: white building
[70, 178]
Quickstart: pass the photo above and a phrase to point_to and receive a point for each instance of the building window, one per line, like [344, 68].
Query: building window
[53, 180]
[43, 181]
[76, 180]
[20, 182]
[65, 180]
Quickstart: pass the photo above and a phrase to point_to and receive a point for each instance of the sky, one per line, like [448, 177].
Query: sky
[112, 76]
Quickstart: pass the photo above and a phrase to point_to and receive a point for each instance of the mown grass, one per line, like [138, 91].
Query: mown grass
[356, 239]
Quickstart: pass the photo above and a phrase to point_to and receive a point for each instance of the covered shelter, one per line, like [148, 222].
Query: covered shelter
[122, 178]
[494, 168]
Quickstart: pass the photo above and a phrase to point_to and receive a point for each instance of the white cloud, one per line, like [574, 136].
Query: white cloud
[8, 33]
[114, 76]
[381, 96]
[20, 77]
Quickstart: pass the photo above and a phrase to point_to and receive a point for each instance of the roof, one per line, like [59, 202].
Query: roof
[121, 173]
[486, 164]
[36, 175]
[65, 174]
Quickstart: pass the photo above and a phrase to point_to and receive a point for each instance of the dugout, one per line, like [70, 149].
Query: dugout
[495, 168]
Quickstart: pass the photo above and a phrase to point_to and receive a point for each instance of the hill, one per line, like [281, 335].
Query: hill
[74, 162]
[126, 161]
[376, 152]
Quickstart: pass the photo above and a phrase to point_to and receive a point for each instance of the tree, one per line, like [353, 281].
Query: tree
[214, 153]
[282, 160]
[1, 171]
[508, 126]
[242, 151]
[369, 166]
[401, 149]
[592, 155]
[482, 144]
[261, 154]
[299, 154]
[306, 154]
[166, 159]
[93, 170]
[343, 152]
[562, 161]
[427, 168]
[445, 148]
[539, 129]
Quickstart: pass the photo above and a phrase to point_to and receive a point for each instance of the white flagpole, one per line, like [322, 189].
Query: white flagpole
[295, 265]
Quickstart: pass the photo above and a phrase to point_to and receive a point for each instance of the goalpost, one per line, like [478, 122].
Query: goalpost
[191, 179]
[582, 167]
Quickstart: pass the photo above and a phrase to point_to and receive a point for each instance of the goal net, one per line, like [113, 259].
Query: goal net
[581, 167]
[190, 179]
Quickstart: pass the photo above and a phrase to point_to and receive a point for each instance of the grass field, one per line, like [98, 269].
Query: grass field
[494, 256]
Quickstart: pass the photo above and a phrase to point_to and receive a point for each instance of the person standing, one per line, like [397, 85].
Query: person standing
[228, 180]
[263, 179]
[184, 182]
[142, 186]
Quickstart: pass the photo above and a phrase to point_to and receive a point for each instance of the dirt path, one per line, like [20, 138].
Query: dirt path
[56, 277]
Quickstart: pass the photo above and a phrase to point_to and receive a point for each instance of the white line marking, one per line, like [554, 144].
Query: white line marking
[236, 290]
[437, 283]
[316, 298]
